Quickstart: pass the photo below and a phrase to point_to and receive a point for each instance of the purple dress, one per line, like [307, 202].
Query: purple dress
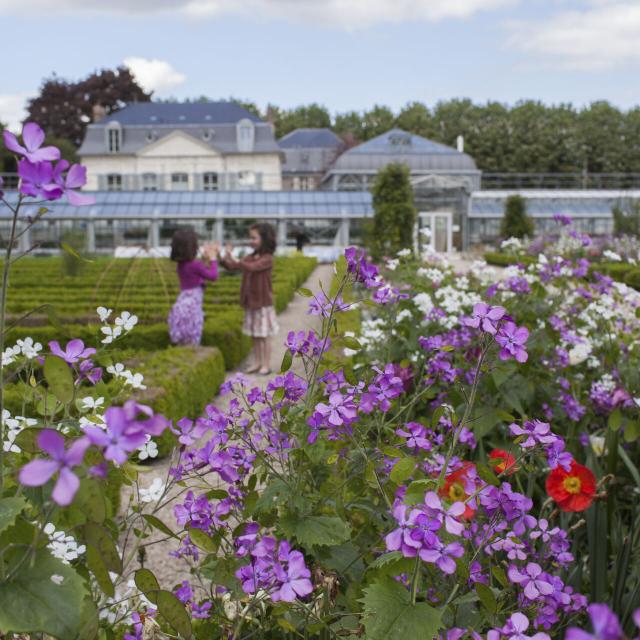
[186, 317]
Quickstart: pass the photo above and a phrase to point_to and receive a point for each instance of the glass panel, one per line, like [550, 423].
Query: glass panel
[441, 230]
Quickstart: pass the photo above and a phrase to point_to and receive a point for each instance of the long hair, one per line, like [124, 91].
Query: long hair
[184, 245]
[267, 237]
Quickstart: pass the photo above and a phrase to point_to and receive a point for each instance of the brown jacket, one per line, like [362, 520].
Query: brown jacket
[255, 290]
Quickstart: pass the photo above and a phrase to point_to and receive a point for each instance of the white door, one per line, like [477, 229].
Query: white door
[435, 231]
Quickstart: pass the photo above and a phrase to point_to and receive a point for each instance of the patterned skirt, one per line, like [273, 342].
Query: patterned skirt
[186, 317]
[260, 323]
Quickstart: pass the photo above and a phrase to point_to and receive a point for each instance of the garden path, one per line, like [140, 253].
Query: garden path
[167, 569]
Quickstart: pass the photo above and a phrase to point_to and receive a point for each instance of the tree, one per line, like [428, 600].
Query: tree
[515, 222]
[394, 212]
[63, 109]
[309, 116]
[377, 121]
[416, 118]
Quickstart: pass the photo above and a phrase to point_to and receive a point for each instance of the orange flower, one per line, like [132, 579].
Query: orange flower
[502, 461]
[573, 490]
[455, 486]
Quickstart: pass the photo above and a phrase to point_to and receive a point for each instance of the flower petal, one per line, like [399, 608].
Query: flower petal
[52, 442]
[66, 487]
[37, 472]
[32, 135]
[11, 143]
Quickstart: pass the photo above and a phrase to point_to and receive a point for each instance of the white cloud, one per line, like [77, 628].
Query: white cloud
[12, 109]
[603, 36]
[154, 75]
[346, 14]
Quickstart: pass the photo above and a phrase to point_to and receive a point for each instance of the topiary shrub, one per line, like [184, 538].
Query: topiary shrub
[515, 222]
[633, 278]
[394, 212]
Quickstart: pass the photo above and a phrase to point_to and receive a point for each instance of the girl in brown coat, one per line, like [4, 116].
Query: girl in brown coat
[256, 295]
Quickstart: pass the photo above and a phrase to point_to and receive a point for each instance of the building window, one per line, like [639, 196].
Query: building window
[149, 182]
[114, 182]
[246, 179]
[302, 183]
[210, 181]
[246, 135]
[114, 138]
[180, 181]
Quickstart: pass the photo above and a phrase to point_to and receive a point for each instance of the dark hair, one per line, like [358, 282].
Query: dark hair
[267, 237]
[184, 245]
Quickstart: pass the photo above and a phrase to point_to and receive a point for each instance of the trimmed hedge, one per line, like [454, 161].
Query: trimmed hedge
[616, 270]
[632, 278]
[506, 259]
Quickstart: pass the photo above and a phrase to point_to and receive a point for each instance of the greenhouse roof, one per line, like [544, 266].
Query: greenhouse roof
[209, 204]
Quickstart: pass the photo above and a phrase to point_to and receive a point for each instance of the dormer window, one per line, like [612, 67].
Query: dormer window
[245, 131]
[114, 137]
[207, 135]
[151, 136]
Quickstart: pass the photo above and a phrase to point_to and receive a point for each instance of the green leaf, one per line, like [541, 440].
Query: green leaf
[287, 361]
[98, 568]
[351, 343]
[316, 530]
[615, 420]
[59, 378]
[147, 583]
[27, 440]
[156, 523]
[67, 248]
[391, 616]
[486, 597]
[32, 602]
[631, 431]
[487, 475]
[217, 494]
[500, 575]
[99, 538]
[90, 498]
[386, 558]
[402, 470]
[9, 510]
[417, 490]
[202, 540]
[307, 293]
[278, 395]
[174, 613]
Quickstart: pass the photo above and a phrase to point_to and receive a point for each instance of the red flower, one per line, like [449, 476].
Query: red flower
[459, 485]
[502, 461]
[573, 490]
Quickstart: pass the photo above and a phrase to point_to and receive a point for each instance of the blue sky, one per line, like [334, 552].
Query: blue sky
[345, 54]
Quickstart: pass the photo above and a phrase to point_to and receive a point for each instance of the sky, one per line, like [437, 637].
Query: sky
[344, 54]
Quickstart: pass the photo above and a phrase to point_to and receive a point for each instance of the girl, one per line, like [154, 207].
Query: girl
[186, 316]
[256, 293]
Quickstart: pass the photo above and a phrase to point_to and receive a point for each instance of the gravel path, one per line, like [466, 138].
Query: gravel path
[169, 570]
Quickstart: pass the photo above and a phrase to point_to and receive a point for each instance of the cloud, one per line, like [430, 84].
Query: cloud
[154, 75]
[346, 14]
[603, 36]
[12, 109]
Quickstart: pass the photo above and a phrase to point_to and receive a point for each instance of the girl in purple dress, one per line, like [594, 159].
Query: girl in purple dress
[186, 316]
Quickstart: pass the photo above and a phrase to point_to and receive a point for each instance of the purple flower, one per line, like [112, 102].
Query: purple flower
[76, 177]
[89, 371]
[533, 580]
[485, 317]
[39, 471]
[37, 180]
[512, 340]
[295, 579]
[33, 137]
[442, 555]
[605, 623]
[321, 305]
[557, 456]
[515, 629]
[74, 351]
[536, 432]
[340, 410]
[563, 219]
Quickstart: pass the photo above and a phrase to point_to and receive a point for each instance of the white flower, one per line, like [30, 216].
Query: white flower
[10, 353]
[96, 421]
[110, 334]
[610, 255]
[154, 492]
[104, 313]
[423, 302]
[148, 450]
[597, 444]
[404, 253]
[134, 380]
[14, 427]
[425, 232]
[117, 370]
[392, 265]
[63, 546]
[126, 321]
[580, 352]
[29, 348]
[511, 244]
[92, 403]
[57, 579]
[403, 315]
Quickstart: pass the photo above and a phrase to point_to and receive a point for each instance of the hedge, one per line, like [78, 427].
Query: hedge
[632, 278]
[616, 270]
[506, 259]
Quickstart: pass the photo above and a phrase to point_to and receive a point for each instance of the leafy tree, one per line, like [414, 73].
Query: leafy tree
[416, 118]
[515, 222]
[394, 212]
[310, 116]
[348, 125]
[377, 121]
[626, 219]
[63, 109]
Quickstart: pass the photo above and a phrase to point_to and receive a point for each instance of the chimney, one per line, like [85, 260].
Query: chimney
[99, 112]
[460, 144]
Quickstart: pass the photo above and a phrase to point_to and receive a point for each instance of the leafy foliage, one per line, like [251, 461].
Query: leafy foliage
[515, 222]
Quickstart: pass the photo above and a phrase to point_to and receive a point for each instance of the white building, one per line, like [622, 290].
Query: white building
[151, 146]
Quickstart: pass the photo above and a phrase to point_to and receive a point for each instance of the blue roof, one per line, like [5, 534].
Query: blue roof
[398, 141]
[207, 204]
[310, 139]
[176, 113]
